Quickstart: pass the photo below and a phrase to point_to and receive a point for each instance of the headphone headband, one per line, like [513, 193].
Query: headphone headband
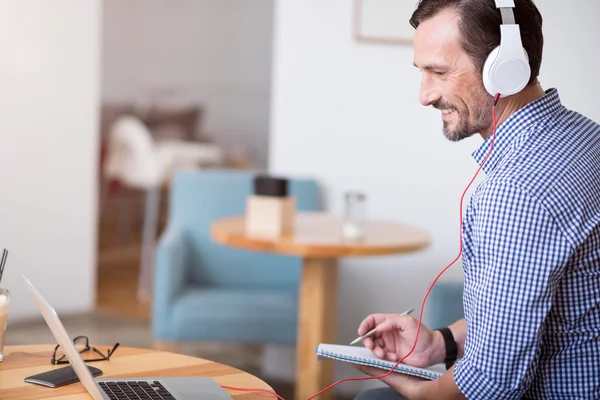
[505, 3]
[508, 17]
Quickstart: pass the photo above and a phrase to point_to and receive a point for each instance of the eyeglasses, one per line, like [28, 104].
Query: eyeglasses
[82, 344]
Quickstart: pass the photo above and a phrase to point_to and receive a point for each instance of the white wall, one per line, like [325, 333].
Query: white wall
[213, 52]
[349, 115]
[49, 152]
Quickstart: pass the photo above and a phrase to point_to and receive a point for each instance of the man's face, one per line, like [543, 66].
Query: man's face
[450, 82]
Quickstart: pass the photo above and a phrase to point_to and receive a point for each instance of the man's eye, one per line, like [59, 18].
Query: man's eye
[440, 73]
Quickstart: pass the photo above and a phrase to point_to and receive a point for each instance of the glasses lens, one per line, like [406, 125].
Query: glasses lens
[59, 353]
[80, 344]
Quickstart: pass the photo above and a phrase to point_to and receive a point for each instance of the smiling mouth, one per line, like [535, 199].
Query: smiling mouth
[448, 111]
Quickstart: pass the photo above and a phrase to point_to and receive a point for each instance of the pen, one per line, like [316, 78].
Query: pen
[371, 332]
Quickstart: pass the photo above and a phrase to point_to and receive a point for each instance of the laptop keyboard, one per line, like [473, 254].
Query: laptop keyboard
[136, 390]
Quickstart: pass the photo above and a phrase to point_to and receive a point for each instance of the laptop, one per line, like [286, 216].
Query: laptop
[181, 388]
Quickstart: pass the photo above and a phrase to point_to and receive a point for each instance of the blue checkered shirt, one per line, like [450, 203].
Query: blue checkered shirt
[531, 260]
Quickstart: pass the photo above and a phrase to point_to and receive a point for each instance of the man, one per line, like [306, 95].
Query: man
[531, 233]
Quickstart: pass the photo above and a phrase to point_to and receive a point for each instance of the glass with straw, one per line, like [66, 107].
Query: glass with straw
[4, 303]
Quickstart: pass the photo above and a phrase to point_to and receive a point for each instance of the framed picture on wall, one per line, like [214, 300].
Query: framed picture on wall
[384, 21]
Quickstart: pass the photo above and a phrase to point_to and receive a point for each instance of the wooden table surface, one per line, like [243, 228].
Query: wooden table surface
[23, 361]
[320, 235]
[317, 237]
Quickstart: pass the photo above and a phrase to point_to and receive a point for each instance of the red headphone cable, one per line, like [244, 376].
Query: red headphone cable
[496, 98]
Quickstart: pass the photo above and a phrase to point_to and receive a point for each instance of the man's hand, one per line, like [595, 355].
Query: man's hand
[413, 388]
[395, 337]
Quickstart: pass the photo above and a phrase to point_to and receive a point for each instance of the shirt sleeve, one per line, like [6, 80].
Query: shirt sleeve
[516, 256]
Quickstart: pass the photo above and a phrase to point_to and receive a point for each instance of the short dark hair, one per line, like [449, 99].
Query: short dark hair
[479, 27]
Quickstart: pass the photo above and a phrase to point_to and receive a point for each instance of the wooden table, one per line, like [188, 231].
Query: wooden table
[22, 361]
[317, 238]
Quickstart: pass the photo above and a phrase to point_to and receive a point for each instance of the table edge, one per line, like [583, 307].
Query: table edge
[312, 250]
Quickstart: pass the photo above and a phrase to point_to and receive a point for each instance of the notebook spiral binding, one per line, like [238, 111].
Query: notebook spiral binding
[402, 368]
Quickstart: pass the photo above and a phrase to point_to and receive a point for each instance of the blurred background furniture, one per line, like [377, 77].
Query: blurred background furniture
[121, 207]
[444, 304]
[318, 238]
[204, 291]
[136, 160]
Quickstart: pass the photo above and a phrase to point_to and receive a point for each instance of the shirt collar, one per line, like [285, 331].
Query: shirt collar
[516, 124]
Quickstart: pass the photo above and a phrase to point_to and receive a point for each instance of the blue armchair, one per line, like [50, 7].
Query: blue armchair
[204, 291]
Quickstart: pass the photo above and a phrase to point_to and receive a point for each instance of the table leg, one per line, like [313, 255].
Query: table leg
[316, 324]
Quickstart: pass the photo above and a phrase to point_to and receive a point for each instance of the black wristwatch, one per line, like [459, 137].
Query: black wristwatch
[451, 347]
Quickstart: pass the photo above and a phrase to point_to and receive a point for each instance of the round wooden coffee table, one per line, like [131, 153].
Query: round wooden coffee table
[23, 361]
[317, 238]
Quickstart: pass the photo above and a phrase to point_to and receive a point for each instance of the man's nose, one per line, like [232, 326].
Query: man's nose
[429, 94]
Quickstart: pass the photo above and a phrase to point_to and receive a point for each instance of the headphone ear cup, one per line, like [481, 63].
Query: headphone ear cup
[505, 74]
[488, 80]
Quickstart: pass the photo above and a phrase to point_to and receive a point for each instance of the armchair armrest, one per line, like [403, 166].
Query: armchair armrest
[172, 262]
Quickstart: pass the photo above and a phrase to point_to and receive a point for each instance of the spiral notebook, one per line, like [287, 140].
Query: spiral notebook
[364, 356]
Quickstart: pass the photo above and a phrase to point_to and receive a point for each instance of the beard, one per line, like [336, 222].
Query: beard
[468, 123]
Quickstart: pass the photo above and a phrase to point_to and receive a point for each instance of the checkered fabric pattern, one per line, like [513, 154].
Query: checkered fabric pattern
[531, 260]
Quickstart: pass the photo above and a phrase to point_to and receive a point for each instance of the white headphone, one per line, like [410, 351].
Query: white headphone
[506, 70]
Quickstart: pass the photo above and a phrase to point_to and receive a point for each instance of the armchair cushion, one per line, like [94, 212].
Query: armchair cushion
[238, 315]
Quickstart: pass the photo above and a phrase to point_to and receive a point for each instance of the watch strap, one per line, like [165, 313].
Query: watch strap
[451, 347]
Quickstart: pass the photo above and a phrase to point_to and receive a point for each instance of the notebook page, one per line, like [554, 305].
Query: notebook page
[364, 356]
